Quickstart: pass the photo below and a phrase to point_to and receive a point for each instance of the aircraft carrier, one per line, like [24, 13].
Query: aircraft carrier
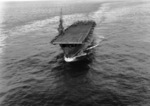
[76, 39]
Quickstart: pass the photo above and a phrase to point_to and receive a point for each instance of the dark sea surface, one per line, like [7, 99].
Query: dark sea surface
[116, 73]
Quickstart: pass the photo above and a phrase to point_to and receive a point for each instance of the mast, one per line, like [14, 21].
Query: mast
[61, 28]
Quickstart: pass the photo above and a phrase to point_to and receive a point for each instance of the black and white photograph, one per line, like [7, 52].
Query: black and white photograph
[75, 53]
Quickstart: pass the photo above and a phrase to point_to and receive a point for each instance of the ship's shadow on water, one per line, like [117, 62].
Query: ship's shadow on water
[76, 86]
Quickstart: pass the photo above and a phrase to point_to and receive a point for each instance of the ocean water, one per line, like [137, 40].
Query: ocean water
[116, 73]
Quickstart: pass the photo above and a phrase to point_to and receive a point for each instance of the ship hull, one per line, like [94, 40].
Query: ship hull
[73, 52]
[77, 52]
